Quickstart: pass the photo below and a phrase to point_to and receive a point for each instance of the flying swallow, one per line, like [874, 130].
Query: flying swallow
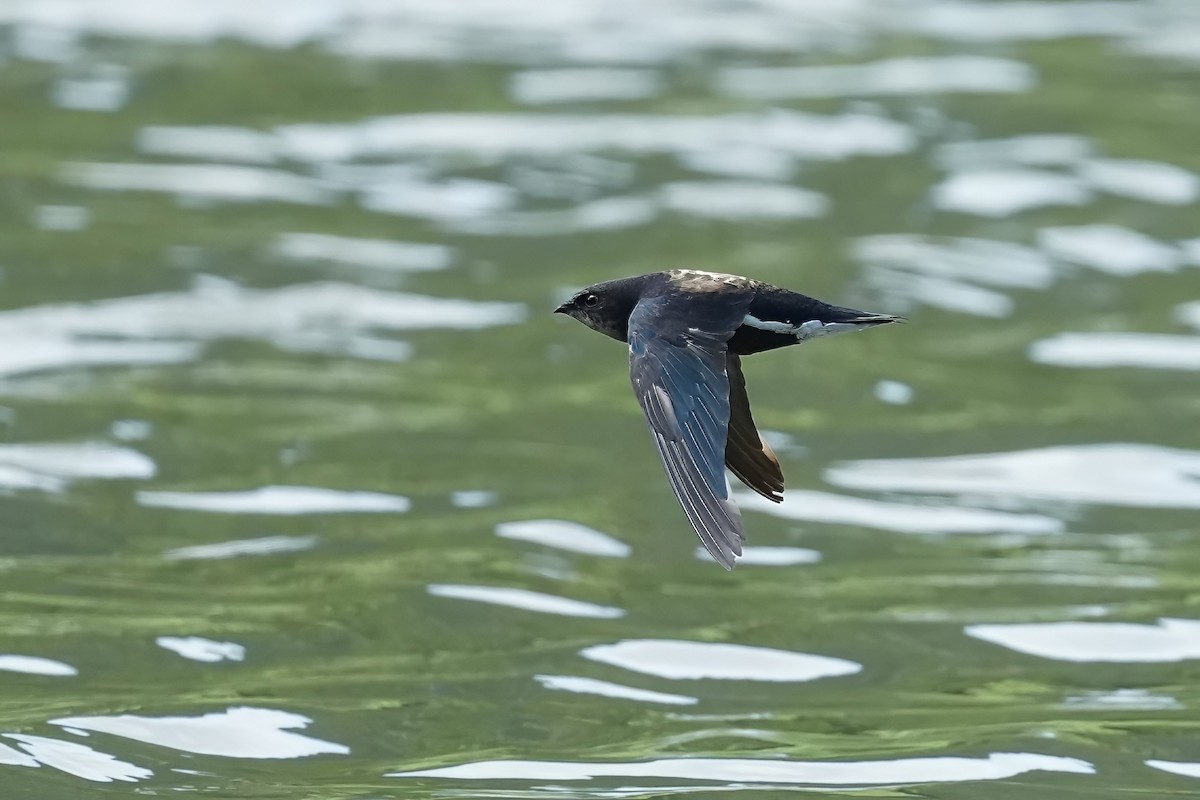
[687, 331]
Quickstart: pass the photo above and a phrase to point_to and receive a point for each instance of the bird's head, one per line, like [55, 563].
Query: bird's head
[605, 307]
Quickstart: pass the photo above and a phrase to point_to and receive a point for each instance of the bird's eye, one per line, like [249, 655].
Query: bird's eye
[591, 301]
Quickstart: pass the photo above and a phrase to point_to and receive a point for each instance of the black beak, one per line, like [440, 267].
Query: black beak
[563, 309]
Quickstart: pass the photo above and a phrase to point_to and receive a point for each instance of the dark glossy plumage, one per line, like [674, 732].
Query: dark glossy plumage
[686, 331]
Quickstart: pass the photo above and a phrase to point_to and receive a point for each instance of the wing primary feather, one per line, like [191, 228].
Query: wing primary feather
[679, 371]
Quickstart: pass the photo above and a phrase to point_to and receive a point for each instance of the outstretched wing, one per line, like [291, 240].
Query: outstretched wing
[746, 454]
[677, 364]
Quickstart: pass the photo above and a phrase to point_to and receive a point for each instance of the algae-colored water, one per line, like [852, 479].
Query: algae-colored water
[295, 460]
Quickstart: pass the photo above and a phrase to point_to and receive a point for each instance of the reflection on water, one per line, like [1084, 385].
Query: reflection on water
[74, 759]
[1106, 474]
[265, 545]
[52, 467]
[1118, 251]
[905, 518]
[996, 766]
[242, 732]
[323, 317]
[564, 536]
[1099, 350]
[1170, 640]
[695, 660]
[753, 556]
[894, 76]
[198, 648]
[570, 683]
[35, 665]
[278, 500]
[526, 600]
[287, 428]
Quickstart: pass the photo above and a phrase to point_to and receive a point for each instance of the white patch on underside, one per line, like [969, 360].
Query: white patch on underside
[804, 331]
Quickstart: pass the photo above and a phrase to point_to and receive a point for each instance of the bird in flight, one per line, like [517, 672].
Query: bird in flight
[687, 331]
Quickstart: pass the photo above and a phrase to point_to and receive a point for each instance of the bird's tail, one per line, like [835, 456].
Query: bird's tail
[861, 319]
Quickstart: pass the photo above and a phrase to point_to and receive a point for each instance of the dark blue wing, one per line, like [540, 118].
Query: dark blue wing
[677, 343]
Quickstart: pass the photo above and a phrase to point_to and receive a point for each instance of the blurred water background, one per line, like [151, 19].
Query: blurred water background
[305, 494]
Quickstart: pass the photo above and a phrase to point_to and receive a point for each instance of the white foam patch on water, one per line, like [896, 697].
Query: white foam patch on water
[682, 660]
[565, 536]
[1004, 192]
[901, 771]
[894, 393]
[1152, 181]
[495, 137]
[51, 467]
[132, 330]
[1117, 642]
[961, 259]
[1104, 350]
[525, 600]
[78, 760]
[1118, 474]
[766, 556]
[900, 517]
[742, 201]
[279, 500]
[1109, 248]
[61, 218]
[106, 89]
[541, 86]
[197, 648]
[571, 683]
[211, 142]
[35, 665]
[381, 254]
[903, 290]
[1185, 768]
[262, 546]
[1033, 150]
[240, 732]
[217, 182]
[896, 76]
